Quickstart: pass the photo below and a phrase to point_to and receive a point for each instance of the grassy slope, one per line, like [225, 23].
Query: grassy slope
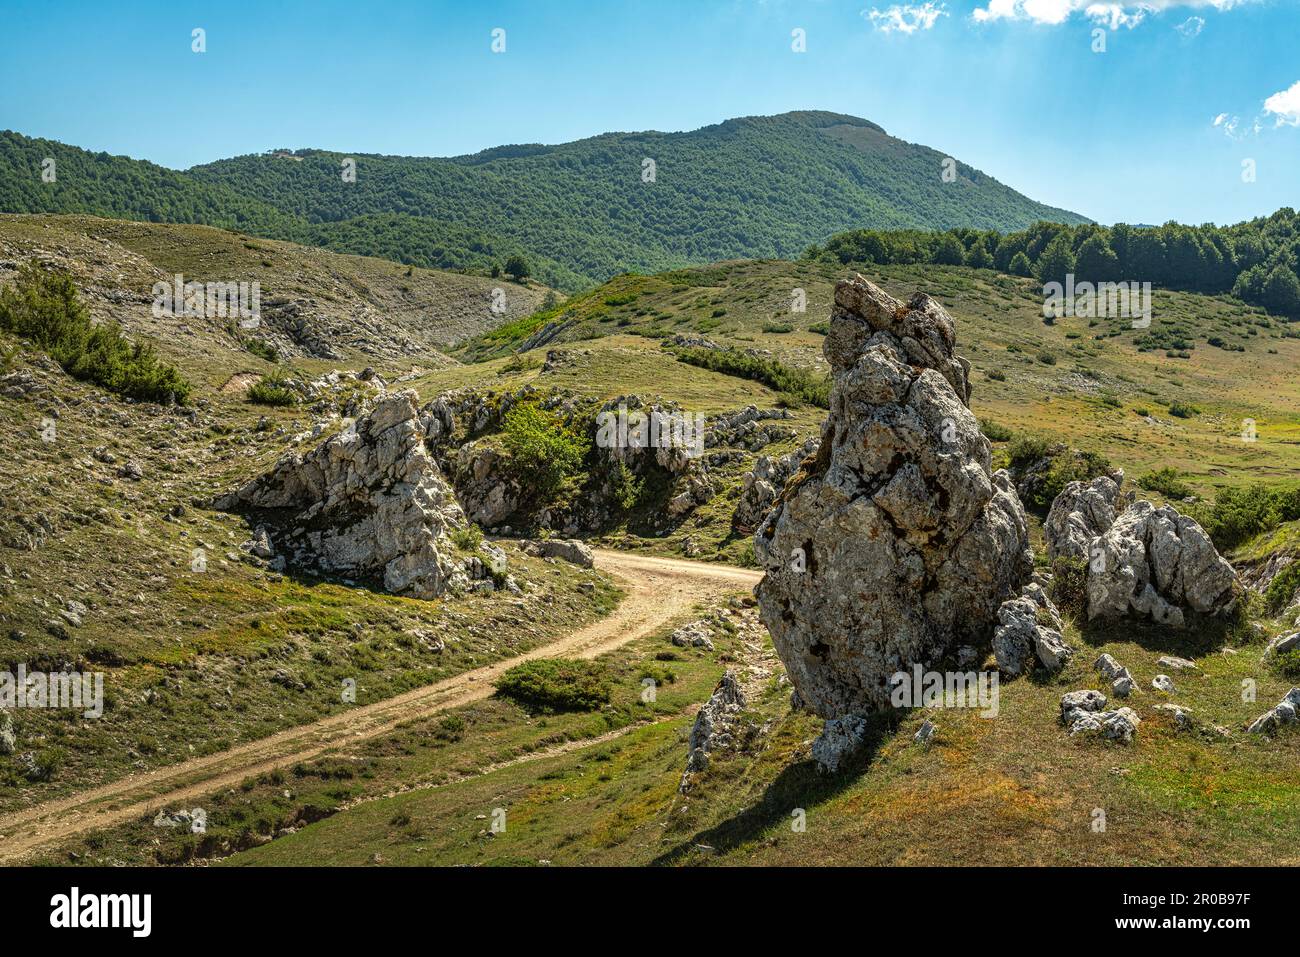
[1013, 790]
[1000, 329]
[190, 656]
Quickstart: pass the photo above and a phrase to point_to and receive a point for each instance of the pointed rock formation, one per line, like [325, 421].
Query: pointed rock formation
[898, 542]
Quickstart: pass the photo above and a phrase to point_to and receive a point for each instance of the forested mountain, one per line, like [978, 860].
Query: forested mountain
[579, 212]
[1257, 261]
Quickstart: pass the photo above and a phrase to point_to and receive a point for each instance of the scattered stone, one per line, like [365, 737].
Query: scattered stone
[1177, 664]
[8, 737]
[925, 733]
[1163, 683]
[569, 550]
[1282, 644]
[1281, 714]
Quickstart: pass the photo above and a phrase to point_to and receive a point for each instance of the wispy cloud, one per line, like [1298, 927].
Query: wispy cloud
[1113, 13]
[906, 17]
[1191, 27]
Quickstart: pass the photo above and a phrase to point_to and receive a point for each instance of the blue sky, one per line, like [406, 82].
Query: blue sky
[1012, 87]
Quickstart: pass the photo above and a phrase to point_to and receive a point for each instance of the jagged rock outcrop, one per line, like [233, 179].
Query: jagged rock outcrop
[714, 726]
[368, 503]
[1080, 513]
[761, 486]
[1153, 562]
[1030, 626]
[899, 543]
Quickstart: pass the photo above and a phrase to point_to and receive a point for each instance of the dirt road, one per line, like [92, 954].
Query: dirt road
[658, 591]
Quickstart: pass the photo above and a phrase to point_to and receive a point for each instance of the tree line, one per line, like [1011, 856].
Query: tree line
[1256, 261]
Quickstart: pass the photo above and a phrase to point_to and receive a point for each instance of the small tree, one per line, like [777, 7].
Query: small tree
[544, 452]
[517, 268]
[1020, 265]
[949, 251]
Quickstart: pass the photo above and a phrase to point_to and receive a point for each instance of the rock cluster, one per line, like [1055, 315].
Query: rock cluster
[1083, 712]
[368, 503]
[899, 543]
[1030, 626]
[761, 486]
[1153, 562]
[1285, 711]
[1121, 681]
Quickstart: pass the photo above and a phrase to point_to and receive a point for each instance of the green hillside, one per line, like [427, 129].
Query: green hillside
[580, 212]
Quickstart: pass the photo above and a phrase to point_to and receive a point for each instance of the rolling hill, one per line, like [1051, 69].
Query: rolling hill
[580, 212]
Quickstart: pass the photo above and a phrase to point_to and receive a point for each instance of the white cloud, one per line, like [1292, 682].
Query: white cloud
[1228, 124]
[1113, 13]
[1285, 106]
[1191, 27]
[906, 17]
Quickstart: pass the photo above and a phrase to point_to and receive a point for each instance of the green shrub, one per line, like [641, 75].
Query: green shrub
[1282, 588]
[1047, 359]
[1239, 514]
[628, 489]
[263, 350]
[544, 452]
[272, 390]
[468, 538]
[779, 328]
[1166, 482]
[1183, 410]
[797, 386]
[1070, 585]
[1063, 466]
[995, 432]
[45, 309]
[1287, 664]
[997, 375]
[556, 684]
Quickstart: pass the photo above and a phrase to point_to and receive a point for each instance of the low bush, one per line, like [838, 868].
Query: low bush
[544, 452]
[45, 309]
[272, 390]
[797, 386]
[1166, 482]
[556, 684]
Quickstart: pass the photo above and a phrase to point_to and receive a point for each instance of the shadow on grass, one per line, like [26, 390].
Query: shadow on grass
[1201, 636]
[798, 785]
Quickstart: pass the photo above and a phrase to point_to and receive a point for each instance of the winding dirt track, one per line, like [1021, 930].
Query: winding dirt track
[658, 590]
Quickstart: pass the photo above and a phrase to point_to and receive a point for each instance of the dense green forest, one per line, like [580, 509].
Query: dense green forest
[1256, 261]
[580, 212]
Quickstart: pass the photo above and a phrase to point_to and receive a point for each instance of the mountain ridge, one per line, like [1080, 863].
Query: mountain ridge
[578, 212]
